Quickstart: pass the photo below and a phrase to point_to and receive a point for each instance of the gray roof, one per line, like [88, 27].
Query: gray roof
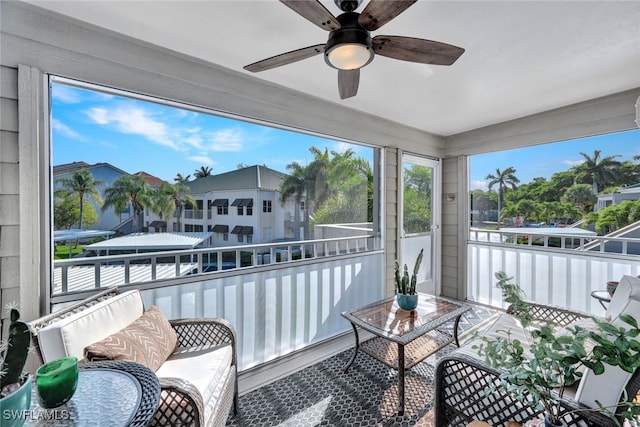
[150, 241]
[252, 177]
[76, 234]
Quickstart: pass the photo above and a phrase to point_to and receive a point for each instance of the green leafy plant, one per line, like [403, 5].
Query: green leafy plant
[538, 373]
[15, 351]
[405, 284]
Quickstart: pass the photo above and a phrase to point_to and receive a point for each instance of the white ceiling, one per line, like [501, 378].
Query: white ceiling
[522, 57]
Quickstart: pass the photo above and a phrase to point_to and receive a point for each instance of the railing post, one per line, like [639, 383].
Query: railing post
[65, 279]
[97, 274]
[127, 272]
[153, 268]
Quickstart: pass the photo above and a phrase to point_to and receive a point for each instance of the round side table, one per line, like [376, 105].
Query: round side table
[602, 296]
[109, 393]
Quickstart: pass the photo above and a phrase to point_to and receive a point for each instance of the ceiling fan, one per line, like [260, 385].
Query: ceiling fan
[350, 45]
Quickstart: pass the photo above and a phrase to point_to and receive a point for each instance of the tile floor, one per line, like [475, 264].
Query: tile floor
[323, 395]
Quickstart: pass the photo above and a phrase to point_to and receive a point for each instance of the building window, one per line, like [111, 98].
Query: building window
[302, 205]
[225, 237]
[266, 206]
[250, 210]
[240, 210]
[221, 205]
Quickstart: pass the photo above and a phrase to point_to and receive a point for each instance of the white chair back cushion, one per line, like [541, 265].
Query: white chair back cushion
[608, 386]
[626, 299]
[69, 336]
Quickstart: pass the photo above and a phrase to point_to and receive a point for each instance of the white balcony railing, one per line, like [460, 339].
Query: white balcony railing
[552, 269]
[82, 274]
[289, 297]
[193, 214]
[280, 309]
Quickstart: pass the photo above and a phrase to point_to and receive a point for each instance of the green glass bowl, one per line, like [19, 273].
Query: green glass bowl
[57, 381]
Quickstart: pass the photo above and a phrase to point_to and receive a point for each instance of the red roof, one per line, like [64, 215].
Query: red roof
[153, 181]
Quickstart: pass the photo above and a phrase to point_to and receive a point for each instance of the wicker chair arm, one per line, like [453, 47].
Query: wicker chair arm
[181, 404]
[461, 381]
[205, 332]
[557, 315]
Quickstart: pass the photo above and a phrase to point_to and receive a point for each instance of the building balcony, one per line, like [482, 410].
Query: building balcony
[292, 340]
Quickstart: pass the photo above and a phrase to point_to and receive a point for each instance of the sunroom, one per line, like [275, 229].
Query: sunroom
[532, 73]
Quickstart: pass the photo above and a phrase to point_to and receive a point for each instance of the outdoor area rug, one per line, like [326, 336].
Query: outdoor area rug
[367, 395]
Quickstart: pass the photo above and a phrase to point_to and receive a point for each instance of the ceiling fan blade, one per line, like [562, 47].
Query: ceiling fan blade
[285, 58]
[416, 50]
[315, 12]
[379, 12]
[348, 81]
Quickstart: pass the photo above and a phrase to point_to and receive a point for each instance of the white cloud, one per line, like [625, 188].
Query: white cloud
[202, 160]
[573, 162]
[65, 130]
[340, 147]
[98, 115]
[65, 94]
[136, 121]
[228, 140]
[479, 185]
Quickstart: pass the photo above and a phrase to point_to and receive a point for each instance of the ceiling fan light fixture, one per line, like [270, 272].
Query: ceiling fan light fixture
[349, 47]
[349, 56]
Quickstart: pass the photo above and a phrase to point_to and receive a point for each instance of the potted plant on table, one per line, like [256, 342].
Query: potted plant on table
[555, 361]
[406, 293]
[15, 384]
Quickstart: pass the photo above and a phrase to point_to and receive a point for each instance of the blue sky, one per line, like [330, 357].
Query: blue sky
[162, 140]
[545, 160]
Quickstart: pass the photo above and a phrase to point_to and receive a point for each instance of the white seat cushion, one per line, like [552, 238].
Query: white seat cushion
[505, 325]
[205, 369]
[69, 336]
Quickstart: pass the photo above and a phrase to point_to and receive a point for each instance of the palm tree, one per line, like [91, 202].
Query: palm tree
[181, 179]
[549, 211]
[504, 179]
[526, 208]
[318, 176]
[82, 184]
[170, 198]
[599, 170]
[510, 211]
[580, 195]
[128, 190]
[295, 185]
[350, 181]
[203, 172]
[310, 180]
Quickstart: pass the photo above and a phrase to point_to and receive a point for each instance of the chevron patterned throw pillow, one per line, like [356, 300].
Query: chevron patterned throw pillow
[149, 340]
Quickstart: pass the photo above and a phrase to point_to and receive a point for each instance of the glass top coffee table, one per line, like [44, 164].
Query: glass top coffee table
[417, 334]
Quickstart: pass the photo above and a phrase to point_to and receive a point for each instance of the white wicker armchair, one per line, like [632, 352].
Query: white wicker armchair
[201, 400]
